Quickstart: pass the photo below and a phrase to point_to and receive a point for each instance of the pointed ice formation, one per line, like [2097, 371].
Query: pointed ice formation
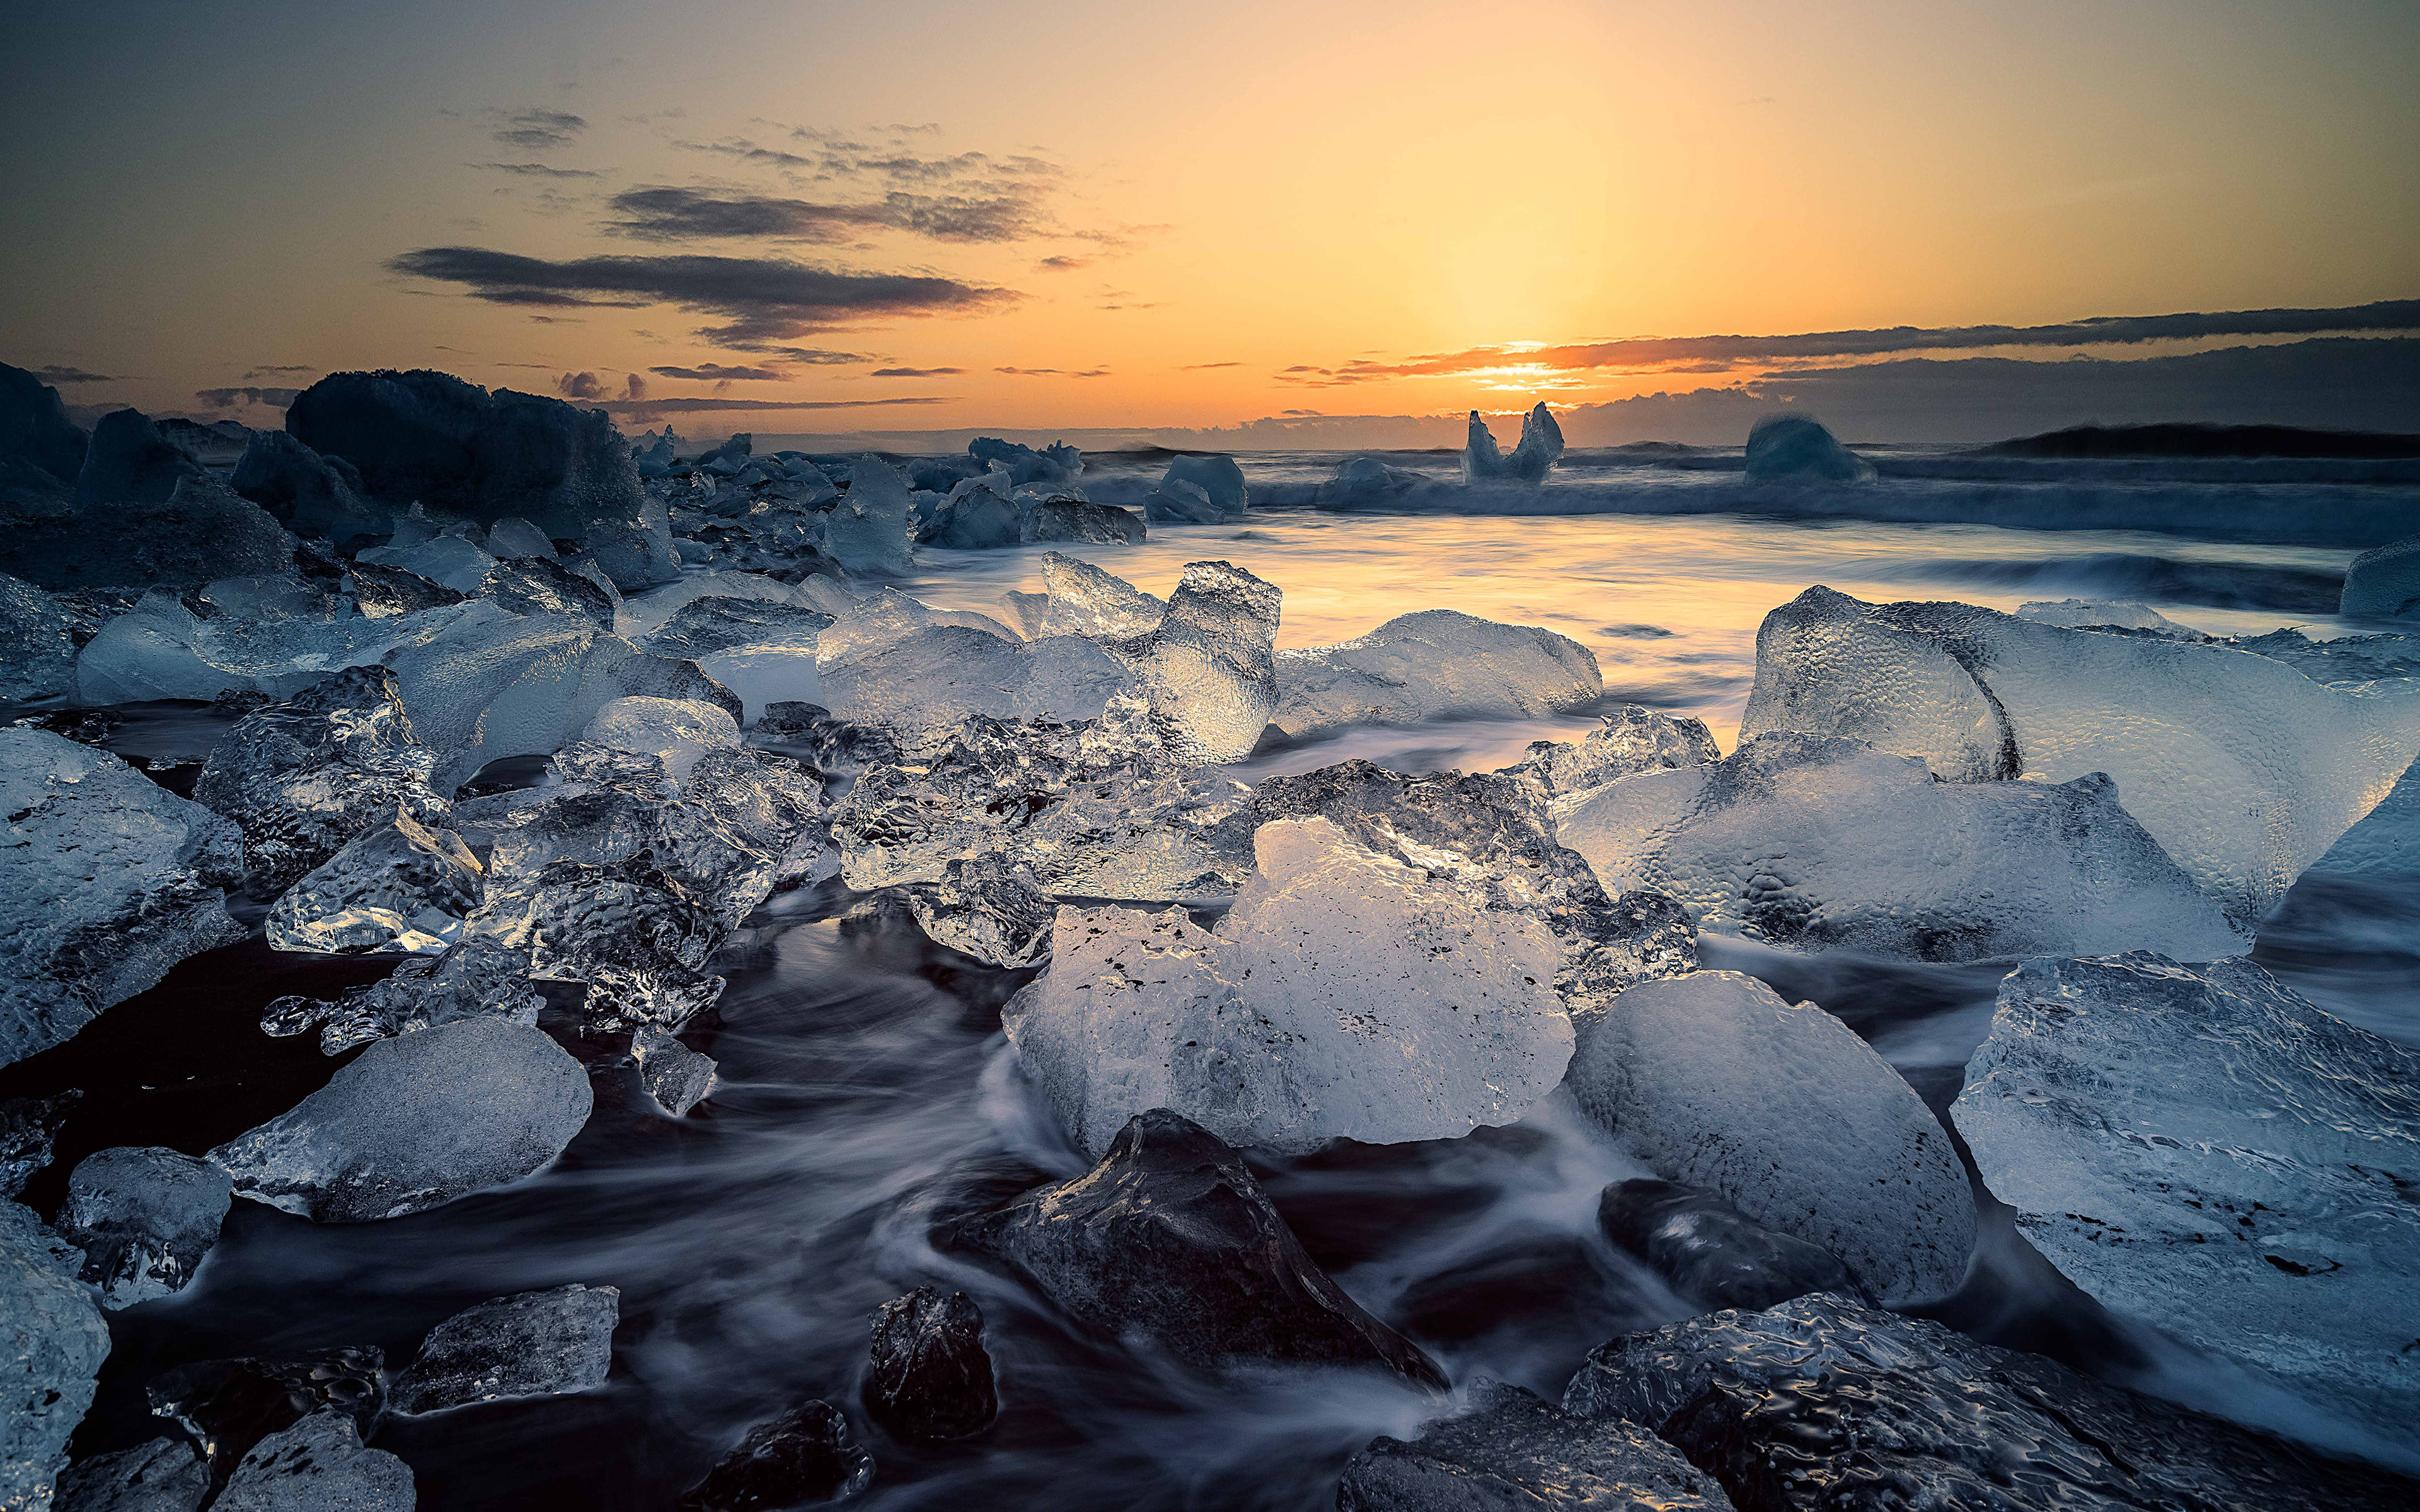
[1208, 664]
[867, 531]
[1540, 449]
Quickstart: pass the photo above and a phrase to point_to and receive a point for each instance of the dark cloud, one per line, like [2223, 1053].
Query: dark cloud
[280, 370]
[916, 372]
[674, 214]
[1063, 265]
[1204, 367]
[1051, 372]
[720, 373]
[814, 356]
[535, 129]
[762, 299]
[77, 374]
[230, 398]
[535, 170]
[649, 406]
[1140, 304]
[556, 320]
[580, 386]
[634, 387]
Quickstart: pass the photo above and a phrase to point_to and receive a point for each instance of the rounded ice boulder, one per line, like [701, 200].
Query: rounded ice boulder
[1797, 449]
[2384, 583]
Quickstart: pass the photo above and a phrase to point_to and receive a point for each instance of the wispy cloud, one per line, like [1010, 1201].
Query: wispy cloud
[916, 372]
[707, 405]
[1204, 367]
[720, 373]
[677, 214]
[533, 129]
[55, 374]
[535, 170]
[276, 370]
[1052, 372]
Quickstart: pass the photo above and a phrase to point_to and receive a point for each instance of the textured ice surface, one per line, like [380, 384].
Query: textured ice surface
[1208, 665]
[1365, 483]
[642, 614]
[717, 623]
[678, 1077]
[513, 537]
[309, 494]
[29, 1130]
[2203, 1149]
[403, 888]
[160, 649]
[1345, 994]
[866, 530]
[539, 585]
[1178, 501]
[1540, 449]
[415, 1123]
[1220, 478]
[144, 1217]
[1059, 517]
[1714, 1081]
[2243, 769]
[1087, 601]
[386, 593]
[1509, 1451]
[987, 906]
[1816, 842]
[319, 1465]
[477, 979]
[2384, 582]
[37, 642]
[1711, 1253]
[805, 1455]
[530, 1344]
[632, 933]
[1797, 449]
[1436, 664]
[679, 732]
[163, 1474]
[927, 1373]
[106, 881]
[2096, 613]
[1630, 740]
[443, 558]
[52, 1342]
[199, 532]
[921, 685]
[301, 778]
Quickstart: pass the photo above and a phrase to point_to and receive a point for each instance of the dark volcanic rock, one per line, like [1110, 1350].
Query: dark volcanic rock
[1170, 1238]
[129, 462]
[1711, 1253]
[230, 1405]
[35, 428]
[1824, 1404]
[805, 1455]
[930, 1377]
[1512, 1452]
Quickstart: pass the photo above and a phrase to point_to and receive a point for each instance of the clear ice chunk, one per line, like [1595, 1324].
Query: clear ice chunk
[54, 1342]
[1087, 601]
[403, 889]
[107, 879]
[145, 1217]
[679, 732]
[2384, 582]
[1797, 449]
[415, 1123]
[2243, 769]
[317, 1465]
[1344, 995]
[513, 538]
[1815, 842]
[1434, 664]
[1366, 483]
[1713, 1080]
[2201, 1148]
[441, 559]
[1180, 503]
[160, 649]
[2097, 614]
[676, 1076]
[923, 684]
[1540, 447]
[1219, 477]
[1628, 741]
[642, 614]
[1208, 665]
[987, 906]
[531, 1344]
[541, 585]
[867, 529]
[476, 979]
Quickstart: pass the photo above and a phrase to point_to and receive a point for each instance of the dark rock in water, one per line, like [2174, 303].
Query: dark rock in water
[805, 1455]
[230, 1405]
[319, 1465]
[534, 585]
[531, 1344]
[384, 591]
[1711, 1253]
[1512, 1452]
[310, 493]
[930, 1377]
[463, 451]
[162, 1475]
[1824, 1404]
[199, 532]
[129, 462]
[1075, 519]
[29, 1126]
[144, 1219]
[1172, 1238]
[35, 428]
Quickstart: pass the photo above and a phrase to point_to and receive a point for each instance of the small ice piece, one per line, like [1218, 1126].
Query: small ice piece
[107, 879]
[1344, 995]
[540, 585]
[1630, 740]
[867, 529]
[1797, 449]
[1812, 842]
[1434, 664]
[1711, 1080]
[678, 1077]
[1366, 483]
[1219, 477]
[2100, 614]
[929, 1375]
[402, 889]
[677, 732]
[923, 684]
[317, 1465]
[2243, 768]
[145, 1217]
[477, 979]
[302, 778]
[1709, 1252]
[1087, 601]
[987, 906]
[2384, 582]
[514, 538]
[37, 642]
[444, 559]
[1510, 1451]
[1208, 665]
[530, 1344]
[51, 1343]
[805, 1455]
[1180, 503]
[2199, 1148]
[164, 1474]
[415, 1123]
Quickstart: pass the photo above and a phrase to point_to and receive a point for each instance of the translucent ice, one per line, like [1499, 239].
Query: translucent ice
[540, 585]
[403, 888]
[2199, 1148]
[514, 538]
[633, 934]
[1087, 601]
[1366, 483]
[1797, 449]
[476, 979]
[1540, 448]
[1713, 1080]
[2244, 770]
[705, 626]
[160, 649]
[867, 529]
[642, 614]
[678, 732]
[1814, 842]
[1630, 740]
[531, 1344]
[52, 1342]
[923, 684]
[415, 1123]
[2093, 614]
[1059, 463]
[1344, 995]
[1182, 502]
[2384, 582]
[979, 513]
[1208, 665]
[145, 1218]
[316, 1465]
[37, 642]
[443, 558]
[678, 1077]
[106, 881]
[1434, 664]
[1218, 478]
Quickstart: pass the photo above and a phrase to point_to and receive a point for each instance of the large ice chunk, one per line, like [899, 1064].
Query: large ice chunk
[2201, 1148]
[316, 1465]
[1627, 742]
[144, 1219]
[309, 494]
[1365, 483]
[1540, 449]
[980, 514]
[678, 732]
[1346, 996]
[1208, 665]
[1181, 502]
[1713, 1080]
[530, 1344]
[2384, 582]
[1087, 601]
[35, 428]
[37, 642]
[1219, 477]
[162, 649]
[106, 881]
[1815, 842]
[1055, 463]
[2243, 769]
[867, 529]
[201, 531]
[51, 1343]
[921, 685]
[403, 888]
[1510, 1452]
[539, 585]
[1434, 664]
[460, 564]
[415, 1123]
[1797, 449]
[129, 462]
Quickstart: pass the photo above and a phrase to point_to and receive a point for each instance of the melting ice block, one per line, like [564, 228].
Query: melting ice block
[1540, 448]
[530, 1344]
[2243, 768]
[1219, 477]
[1346, 996]
[1436, 664]
[51, 1343]
[1797, 449]
[144, 1219]
[1178, 501]
[1816, 842]
[1087, 601]
[106, 880]
[923, 684]
[2096, 613]
[1208, 666]
[415, 1123]
[1627, 742]
[2384, 582]
[867, 529]
[37, 642]
[160, 649]
[403, 888]
[2201, 1148]
[460, 564]
[678, 732]
[1713, 1080]
[1510, 1452]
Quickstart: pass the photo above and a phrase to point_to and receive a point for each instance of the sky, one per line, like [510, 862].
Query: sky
[1205, 218]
